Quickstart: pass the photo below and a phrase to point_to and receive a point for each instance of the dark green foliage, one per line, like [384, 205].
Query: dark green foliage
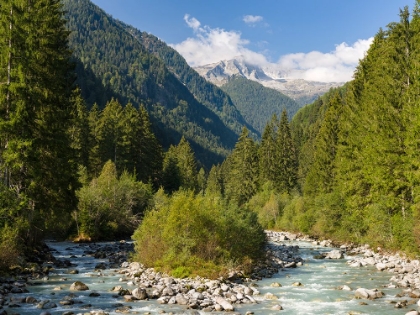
[180, 168]
[241, 177]
[37, 161]
[286, 179]
[358, 149]
[193, 234]
[110, 207]
[257, 103]
[208, 94]
[124, 136]
[112, 61]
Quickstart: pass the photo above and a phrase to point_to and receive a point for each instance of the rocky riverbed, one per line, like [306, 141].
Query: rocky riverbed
[139, 284]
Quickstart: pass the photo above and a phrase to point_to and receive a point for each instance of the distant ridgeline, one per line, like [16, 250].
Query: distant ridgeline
[111, 62]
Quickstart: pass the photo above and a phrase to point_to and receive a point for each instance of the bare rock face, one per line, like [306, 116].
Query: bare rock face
[271, 76]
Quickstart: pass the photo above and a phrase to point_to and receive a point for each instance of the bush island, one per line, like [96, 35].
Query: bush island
[194, 234]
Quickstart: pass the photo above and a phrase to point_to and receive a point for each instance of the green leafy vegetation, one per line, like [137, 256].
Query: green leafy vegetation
[110, 207]
[190, 234]
[125, 150]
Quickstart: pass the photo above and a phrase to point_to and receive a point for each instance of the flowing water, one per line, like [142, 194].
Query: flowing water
[318, 294]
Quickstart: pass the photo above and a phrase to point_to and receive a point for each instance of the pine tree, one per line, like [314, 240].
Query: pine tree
[36, 76]
[286, 173]
[79, 129]
[242, 178]
[268, 153]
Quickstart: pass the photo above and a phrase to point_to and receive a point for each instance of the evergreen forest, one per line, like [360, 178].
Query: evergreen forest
[106, 133]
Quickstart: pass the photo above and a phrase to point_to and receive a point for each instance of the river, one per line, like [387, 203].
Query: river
[318, 294]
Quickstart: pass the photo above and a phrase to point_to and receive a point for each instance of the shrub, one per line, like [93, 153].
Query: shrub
[198, 234]
[110, 207]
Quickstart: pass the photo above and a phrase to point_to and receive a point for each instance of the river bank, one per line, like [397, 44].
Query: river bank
[133, 283]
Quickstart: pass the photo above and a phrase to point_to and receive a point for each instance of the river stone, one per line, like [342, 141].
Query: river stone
[30, 300]
[181, 300]
[224, 304]
[49, 305]
[248, 291]
[345, 288]
[270, 296]
[162, 300]
[334, 254]
[78, 286]
[251, 298]
[139, 293]
[277, 307]
[412, 313]
[380, 266]
[168, 291]
[363, 293]
[275, 285]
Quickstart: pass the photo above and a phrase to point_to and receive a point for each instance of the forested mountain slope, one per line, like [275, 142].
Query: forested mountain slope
[359, 159]
[257, 103]
[206, 93]
[112, 61]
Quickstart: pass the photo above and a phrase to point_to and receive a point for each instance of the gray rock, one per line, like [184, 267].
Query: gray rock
[224, 304]
[139, 293]
[334, 254]
[78, 286]
[277, 307]
[181, 300]
[363, 293]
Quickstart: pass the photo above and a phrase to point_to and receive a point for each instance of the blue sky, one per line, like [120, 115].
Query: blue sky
[323, 39]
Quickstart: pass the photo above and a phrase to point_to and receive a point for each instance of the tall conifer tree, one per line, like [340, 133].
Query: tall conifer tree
[36, 76]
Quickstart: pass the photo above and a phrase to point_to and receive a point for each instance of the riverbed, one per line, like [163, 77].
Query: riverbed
[313, 288]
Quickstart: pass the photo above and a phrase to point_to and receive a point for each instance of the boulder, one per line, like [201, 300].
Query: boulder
[139, 293]
[334, 254]
[270, 296]
[224, 304]
[78, 286]
[363, 293]
[275, 285]
[277, 307]
[180, 299]
[381, 266]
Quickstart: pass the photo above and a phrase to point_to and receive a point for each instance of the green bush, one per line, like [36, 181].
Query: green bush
[198, 234]
[110, 207]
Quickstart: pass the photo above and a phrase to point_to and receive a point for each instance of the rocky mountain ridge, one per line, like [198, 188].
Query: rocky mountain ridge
[271, 76]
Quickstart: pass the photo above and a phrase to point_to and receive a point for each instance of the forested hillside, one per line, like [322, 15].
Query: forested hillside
[206, 93]
[257, 103]
[360, 162]
[113, 61]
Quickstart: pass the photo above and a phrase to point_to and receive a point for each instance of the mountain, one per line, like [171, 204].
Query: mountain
[112, 62]
[205, 92]
[271, 76]
[258, 103]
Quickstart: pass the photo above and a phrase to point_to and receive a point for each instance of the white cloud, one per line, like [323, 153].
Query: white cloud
[192, 22]
[252, 19]
[335, 66]
[211, 45]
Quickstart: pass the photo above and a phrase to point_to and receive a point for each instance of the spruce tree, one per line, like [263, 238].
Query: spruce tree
[242, 177]
[268, 153]
[286, 173]
[36, 75]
